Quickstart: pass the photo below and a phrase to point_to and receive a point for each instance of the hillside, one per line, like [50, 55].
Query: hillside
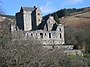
[68, 12]
[77, 29]
[78, 21]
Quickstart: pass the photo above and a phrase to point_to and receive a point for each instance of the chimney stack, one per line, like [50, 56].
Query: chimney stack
[34, 6]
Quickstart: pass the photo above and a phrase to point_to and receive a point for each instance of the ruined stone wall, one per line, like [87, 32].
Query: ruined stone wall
[50, 23]
[46, 38]
[60, 28]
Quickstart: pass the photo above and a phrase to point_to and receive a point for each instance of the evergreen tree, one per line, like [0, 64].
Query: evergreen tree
[57, 19]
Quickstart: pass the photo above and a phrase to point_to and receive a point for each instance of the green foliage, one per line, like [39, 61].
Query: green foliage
[87, 56]
[78, 61]
[64, 12]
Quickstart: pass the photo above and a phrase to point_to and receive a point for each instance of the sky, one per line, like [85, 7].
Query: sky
[47, 6]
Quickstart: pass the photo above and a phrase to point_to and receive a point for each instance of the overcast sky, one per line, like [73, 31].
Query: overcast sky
[46, 6]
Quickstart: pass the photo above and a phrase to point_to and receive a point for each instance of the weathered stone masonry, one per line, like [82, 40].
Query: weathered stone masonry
[29, 23]
[29, 19]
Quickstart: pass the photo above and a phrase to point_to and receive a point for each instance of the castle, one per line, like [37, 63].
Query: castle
[48, 32]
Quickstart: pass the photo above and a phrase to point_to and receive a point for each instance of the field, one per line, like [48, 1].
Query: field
[78, 21]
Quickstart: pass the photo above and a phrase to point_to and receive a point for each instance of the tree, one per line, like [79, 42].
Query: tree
[57, 19]
[28, 52]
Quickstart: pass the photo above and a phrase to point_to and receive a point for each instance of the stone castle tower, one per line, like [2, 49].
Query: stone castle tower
[28, 18]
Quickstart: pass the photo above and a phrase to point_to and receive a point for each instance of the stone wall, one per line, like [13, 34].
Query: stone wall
[50, 23]
[45, 37]
[27, 20]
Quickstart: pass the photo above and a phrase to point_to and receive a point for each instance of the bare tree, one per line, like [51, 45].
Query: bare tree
[29, 52]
